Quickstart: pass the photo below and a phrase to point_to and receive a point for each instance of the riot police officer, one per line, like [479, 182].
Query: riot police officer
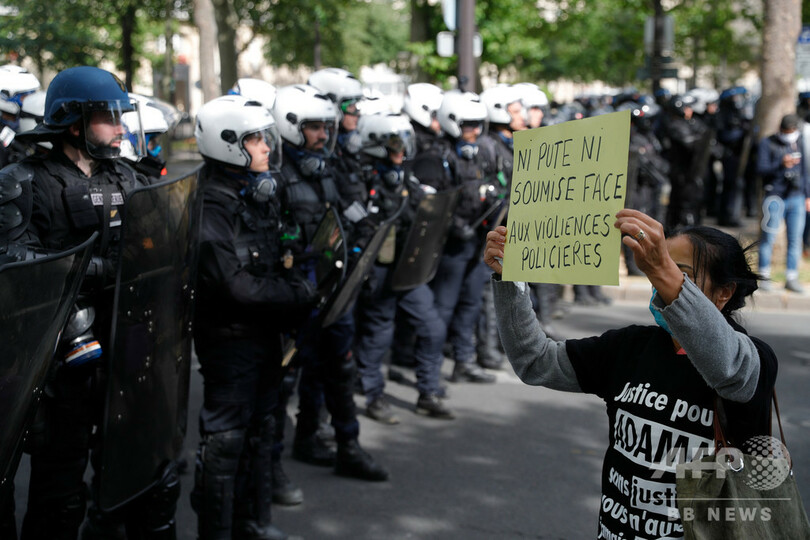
[506, 115]
[78, 188]
[647, 170]
[346, 93]
[247, 298]
[152, 122]
[16, 85]
[394, 194]
[735, 135]
[535, 103]
[687, 156]
[461, 275]
[307, 189]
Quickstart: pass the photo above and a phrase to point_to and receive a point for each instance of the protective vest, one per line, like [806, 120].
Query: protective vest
[306, 200]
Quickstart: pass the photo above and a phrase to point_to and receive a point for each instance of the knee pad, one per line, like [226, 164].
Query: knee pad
[219, 452]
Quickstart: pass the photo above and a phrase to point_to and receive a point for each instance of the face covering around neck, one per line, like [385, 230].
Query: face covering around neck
[657, 315]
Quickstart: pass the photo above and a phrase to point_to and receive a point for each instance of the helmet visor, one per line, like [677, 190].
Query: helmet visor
[319, 135]
[106, 133]
[401, 141]
[263, 149]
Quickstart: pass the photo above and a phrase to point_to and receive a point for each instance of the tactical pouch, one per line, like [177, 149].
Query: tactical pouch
[80, 207]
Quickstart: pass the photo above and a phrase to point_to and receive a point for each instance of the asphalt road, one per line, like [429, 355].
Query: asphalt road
[518, 462]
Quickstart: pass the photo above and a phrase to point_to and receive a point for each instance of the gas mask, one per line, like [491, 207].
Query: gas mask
[261, 186]
[466, 150]
[351, 141]
[391, 176]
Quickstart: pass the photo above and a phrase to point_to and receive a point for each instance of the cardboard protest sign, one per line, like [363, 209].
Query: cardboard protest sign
[568, 183]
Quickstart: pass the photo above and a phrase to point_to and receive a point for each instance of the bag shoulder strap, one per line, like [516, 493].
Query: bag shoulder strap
[720, 440]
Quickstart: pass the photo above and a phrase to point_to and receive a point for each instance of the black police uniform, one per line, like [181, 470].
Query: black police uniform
[307, 189]
[395, 193]
[734, 134]
[67, 207]
[247, 297]
[460, 278]
[686, 171]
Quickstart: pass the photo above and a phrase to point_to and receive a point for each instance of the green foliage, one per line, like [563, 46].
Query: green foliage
[352, 33]
[706, 31]
[575, 39]
[54, 34]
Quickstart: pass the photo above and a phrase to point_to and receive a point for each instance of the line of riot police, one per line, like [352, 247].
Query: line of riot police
[313, 241]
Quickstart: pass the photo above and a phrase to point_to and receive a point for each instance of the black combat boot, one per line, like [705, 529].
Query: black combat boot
[285, 492]
[254, 495]
[354, 462]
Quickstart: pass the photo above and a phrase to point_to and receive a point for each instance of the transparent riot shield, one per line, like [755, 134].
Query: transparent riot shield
[36, 296]
[343, 298]
[327, 253]
[148, 368]
[423, 247]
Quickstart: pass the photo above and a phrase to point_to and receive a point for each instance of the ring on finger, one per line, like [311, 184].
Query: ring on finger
[640, 235]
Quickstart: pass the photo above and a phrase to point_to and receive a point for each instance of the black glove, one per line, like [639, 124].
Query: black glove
[306, 295]
[465, 233]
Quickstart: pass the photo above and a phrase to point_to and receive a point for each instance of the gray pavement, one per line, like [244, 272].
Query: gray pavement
[519, 461]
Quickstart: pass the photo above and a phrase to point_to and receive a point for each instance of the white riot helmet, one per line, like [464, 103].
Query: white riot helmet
[16, 83]
[532, 96]
[459, 108]
[497, 101]
[255, 89]
[422, 102]
[298, 104]
[703, 97]
[149, 120]
[32, 111]
[382, 133]
[339, 85]
[223, 124]
[151, 117]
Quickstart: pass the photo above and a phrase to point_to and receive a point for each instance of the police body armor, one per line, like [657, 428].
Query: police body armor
[37, 295]
[148, 367]
[475, 200]
[256, 242]
[307, 199]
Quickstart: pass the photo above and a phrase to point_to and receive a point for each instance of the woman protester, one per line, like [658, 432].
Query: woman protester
[659, 382]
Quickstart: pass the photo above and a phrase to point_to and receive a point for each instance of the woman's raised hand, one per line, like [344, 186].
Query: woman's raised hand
[493, 252]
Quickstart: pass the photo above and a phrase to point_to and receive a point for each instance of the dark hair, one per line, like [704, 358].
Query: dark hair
[724, 260]
[789, 122]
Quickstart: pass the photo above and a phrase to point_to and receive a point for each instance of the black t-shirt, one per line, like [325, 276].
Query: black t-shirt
[661, 413]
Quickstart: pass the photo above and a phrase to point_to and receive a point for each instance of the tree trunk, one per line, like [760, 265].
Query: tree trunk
[128, 22]
[167, 80]
[779, 35]
[658, 46]
[420, 28]
[207, 25]
[226, 24]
